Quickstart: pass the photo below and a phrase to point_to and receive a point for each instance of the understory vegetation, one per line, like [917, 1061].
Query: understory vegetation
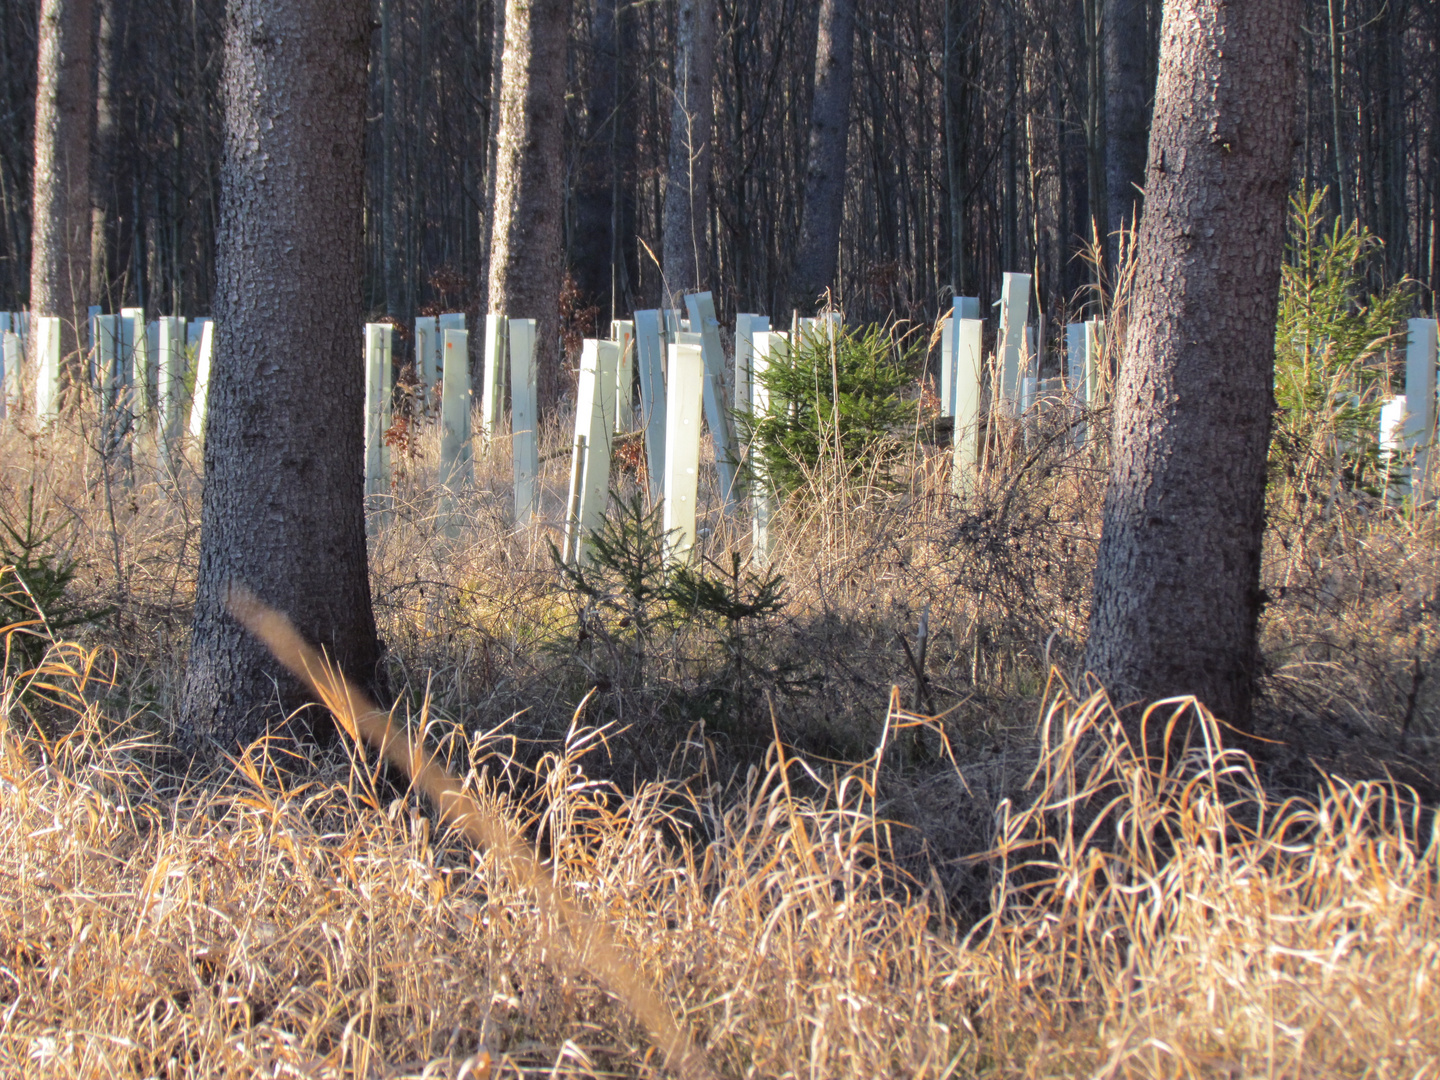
[853, 814]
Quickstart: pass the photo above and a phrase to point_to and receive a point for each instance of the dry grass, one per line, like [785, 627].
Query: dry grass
[812, 880]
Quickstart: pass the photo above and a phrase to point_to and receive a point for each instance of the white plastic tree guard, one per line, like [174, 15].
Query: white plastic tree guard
[1014, 310]
[204, 354]
[682, 449]
[650, 355]
[47, 374]
[427, 359]
[717, 413]
[134, 360]
[961, 307]
[590, 448]
[492, 385]
[767, 343]
[152, 367]
[622, 333]
[965, 436]
[1420, 359]
[10, 369]
[170, 359]
[457, 463]
[746, 327]
[379, 385]
[524, 414]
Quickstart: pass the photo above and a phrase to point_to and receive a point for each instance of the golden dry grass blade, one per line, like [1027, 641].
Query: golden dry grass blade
[594, 946]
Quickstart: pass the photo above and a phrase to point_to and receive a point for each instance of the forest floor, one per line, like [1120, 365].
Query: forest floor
[858, 814]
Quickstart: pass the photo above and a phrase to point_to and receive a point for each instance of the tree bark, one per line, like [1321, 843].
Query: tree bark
[283, 510]
[824, 198]
[64, 118]
[593, 250]
[102, 180]
[1129, 85]
[686, 257]
[526, 242]
[1177, 582]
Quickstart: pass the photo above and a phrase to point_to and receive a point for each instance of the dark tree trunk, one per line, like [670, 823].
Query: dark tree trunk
[526, 244]
[594, 247]
[686, 259]
[1129, 85]
[64, 117]
[824, 203]
[283, 509]
[1177, 581]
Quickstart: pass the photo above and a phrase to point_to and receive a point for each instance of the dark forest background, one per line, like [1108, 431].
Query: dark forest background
[984, 136]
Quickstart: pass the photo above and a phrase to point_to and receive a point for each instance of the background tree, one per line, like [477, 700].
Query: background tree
[283, 509]
[824, 201]
[687, 182]
[1177, 582]
[64, 117]
[526, 258]
[1131, 41]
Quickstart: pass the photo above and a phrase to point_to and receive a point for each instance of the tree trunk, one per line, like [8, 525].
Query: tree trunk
[686, 257]
[1129, 84]
[824, 197]
[102, 181]
[283, 511]
[594, 246]
[1177, 581]
[525, 247]
[64, 117]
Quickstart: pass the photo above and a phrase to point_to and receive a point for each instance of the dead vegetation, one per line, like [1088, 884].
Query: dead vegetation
[814, 875]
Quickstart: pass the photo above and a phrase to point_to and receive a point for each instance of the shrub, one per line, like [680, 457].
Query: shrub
[839, 405]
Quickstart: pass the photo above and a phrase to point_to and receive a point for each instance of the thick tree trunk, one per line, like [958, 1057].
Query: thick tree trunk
[686, 258]
[1177, 582]
[1129, 85]
[525, 245]
[824, 199]
[64, 118]
[283, 509]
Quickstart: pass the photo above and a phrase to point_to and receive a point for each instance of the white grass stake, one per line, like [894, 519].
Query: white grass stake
[650, 354]
[457, 463]
[1392, 428]
[682, 449]
[170, 359]
[379, 384]
[965, 437]
[47, 376]
[590, 448]
[1014, 310]
[622, 333]
[492, 386]
[524, 414]
[427, 360]
[1420, 358]
[767, 343]
[200, 398]
[717, 413]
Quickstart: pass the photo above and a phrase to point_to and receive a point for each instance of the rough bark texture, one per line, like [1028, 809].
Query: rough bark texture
[596, 187]
[283, 510]
[526, 242]
[825, 168]
[1177, 583]
[686, 256]
[1129, 86]
[64, 118]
